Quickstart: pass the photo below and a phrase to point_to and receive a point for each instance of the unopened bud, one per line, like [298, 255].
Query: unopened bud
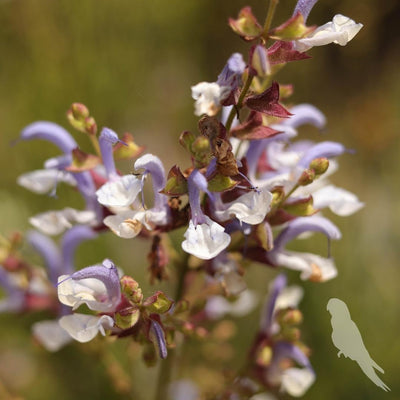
[290, 317]
[90, 126]
[130, 288]
[306, 177]
[201, 145]
[291, 334]
[79, 111]
[319, 165]
[259, 64]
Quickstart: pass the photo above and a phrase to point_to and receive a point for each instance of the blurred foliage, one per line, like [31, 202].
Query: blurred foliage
[132, 63]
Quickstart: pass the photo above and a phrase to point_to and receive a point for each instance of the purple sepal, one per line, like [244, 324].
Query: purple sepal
[71, 239]
[107, 273]
[157, 332]
[289, 350]
[306, 224]
[196, 182]
[231, 75]
[305, 114]
[107, 140]
[51, 132]
[304, 7]
[50, 253]
[277, 286]
[323, 149]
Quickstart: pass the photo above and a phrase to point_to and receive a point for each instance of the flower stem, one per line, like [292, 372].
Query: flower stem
[239, 103]
[270, 16]
[165, 370]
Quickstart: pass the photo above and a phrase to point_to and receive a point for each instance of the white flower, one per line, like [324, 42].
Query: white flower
[51, 335]
[208, 97]
[339, 201]
[340, 31]
[119, 193]
[312, 266]
[44, 180]
[84, 328]
[205, 240]
[250, 208]
[127, 224]
[218, 306]
[296, 381]
[90, 291]
[56, 222]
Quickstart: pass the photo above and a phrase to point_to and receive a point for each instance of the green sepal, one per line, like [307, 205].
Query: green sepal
[158, 303]
[127, 318]
[293, 29]
[176, 183]
[221, 183]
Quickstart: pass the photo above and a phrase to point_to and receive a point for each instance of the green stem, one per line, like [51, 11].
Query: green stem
[166, 366]
[270, 16]
[95, 144]
[243, 93]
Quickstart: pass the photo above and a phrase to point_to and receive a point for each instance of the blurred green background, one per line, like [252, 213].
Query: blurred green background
[132, 63]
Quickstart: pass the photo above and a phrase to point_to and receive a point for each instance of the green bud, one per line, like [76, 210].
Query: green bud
[319, 165]
[290, 317]
[79, 111]
[306, 177]
[127, 318]
[290, 333]
[201, 145]
[90, 126]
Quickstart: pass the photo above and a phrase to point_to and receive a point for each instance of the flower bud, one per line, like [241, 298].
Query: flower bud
[290, 317]
[319, 165]
[159, 303]
[259, 64]
[130, 288]
[306, 177]
[291, 334]
[90, 126]
[79, 111]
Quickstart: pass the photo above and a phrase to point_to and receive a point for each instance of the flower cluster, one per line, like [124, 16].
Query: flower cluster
[249, 189]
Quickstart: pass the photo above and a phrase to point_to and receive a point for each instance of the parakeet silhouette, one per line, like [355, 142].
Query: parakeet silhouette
[347, 338]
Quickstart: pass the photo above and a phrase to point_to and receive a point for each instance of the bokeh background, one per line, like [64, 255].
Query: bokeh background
[132, 63]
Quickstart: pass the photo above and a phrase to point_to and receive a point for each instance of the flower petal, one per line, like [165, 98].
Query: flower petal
[205, 240]
[84, 328]
[50, 335]
[340, 201]
[119, 193]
